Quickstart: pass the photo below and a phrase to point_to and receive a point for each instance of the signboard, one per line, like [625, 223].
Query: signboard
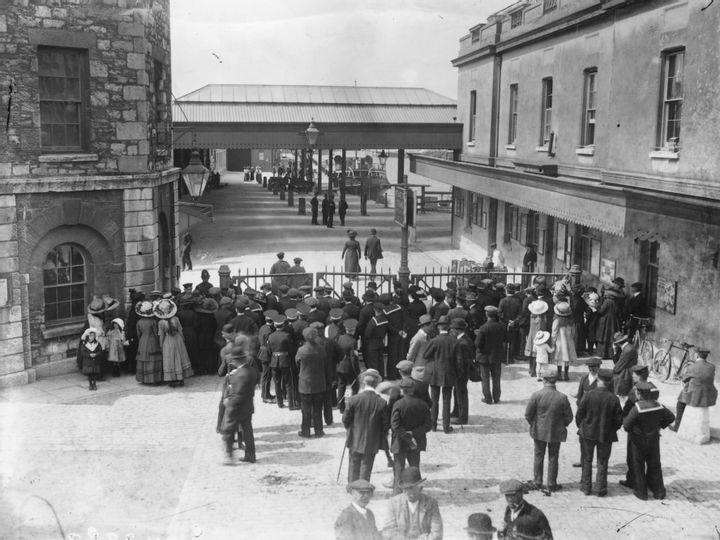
[401, 206]
[666, 294]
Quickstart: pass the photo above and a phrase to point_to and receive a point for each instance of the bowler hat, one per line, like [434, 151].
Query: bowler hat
[550, 376]
[639, 368]
[360, 485]
[458, 324]
[605, 375]
[207, 305]
[511, 486]
[480, 524]
[443, 321]
[491, 309]
[409, 477]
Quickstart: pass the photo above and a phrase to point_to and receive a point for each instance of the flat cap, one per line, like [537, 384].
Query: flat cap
[550, 376]
[336, 314]
[317, 324]
[303, 308]
[312, 302]
[350, 324]
[407, 384]
[511, 486]
[291, 313]
[294, 293]
[283, 289]
[593, 361]
[639, 368]
[605, 375]
[404, 365]
[491, 309]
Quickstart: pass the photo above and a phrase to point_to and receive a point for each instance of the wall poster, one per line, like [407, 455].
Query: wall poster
[607, 270]
[666, 295]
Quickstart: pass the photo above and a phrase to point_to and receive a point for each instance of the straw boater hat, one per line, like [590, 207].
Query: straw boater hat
[619, 338]
[538, 307]
[165, 309]
[144, 308]
[541, 337]
[562, 309]
[110, 302]
[97, 306]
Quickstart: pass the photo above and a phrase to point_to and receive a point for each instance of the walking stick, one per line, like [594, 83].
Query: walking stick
[342, 457]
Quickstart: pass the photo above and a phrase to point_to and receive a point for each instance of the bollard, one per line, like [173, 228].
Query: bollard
[301, 206]
[282, 194]
[291, 198]
[259, 178]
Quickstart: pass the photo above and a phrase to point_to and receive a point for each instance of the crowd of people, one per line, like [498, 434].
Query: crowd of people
[398, 363]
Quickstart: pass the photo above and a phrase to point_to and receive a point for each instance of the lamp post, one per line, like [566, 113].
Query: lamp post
[383, 158]
[195, 175]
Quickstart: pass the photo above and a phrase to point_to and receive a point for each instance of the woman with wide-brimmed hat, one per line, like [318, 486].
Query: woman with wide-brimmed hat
[351, 254]
[563, 338]
[149, 354]
[208, 351]
[538, 322]
[176, 362]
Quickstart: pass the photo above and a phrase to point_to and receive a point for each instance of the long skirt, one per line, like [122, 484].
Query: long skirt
[176, 363]
[150, 372]
[695, 425]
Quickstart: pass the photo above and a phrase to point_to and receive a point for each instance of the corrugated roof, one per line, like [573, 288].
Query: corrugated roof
[195, 112]
[330, 95]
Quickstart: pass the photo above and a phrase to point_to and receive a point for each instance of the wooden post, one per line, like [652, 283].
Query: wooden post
[319, 158]
[343, 172]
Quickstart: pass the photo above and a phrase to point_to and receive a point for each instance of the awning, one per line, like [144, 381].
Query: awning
[592, 204]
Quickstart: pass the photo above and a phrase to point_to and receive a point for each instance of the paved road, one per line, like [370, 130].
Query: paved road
[147, 461]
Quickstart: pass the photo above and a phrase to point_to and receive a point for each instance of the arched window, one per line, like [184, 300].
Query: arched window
[64, 283]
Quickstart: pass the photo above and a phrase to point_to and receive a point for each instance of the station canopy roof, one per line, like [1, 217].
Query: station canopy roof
[267, 116]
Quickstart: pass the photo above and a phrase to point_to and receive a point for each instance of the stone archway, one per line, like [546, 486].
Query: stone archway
[165, 253]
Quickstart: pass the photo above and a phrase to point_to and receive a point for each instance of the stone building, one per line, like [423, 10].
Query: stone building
[590, 130]
[88, 197]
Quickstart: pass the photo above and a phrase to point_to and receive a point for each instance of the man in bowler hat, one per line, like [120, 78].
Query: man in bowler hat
[413, 514]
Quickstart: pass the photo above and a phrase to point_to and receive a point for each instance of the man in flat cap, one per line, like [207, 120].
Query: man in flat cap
[357, 522]
[281, 266]
[518, 507]
[490, 345]
[643, 424]
[310, 360]
[598, 418]
[440, 353]
[548, 413]
[367, 421]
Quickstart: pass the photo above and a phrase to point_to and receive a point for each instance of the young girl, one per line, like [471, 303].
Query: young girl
[116, 345]
[543, 351]
[90, 356]
[563, 338]
[538, 322]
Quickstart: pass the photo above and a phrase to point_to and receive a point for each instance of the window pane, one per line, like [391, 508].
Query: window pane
[49, 277]
[71, 113]
[77, 291]
[50, 312]
[63, 310]
[72, 135]
[78, 308]
[560, 241]
[78, 274]
[63, 294]
[77, 258]
[595, 257]
[46, 135]
[50, 295]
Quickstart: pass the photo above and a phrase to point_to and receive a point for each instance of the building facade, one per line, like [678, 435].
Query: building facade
[589, 130]
[88, 198]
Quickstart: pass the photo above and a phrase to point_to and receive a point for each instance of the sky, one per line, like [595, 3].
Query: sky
[321, 42]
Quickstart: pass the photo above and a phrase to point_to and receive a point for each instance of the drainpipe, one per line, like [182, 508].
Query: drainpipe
[495, 110]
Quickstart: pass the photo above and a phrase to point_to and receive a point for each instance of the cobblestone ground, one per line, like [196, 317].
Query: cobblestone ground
[148, 461]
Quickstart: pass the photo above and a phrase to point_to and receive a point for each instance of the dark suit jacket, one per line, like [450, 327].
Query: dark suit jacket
[410, 419]
[367, 420]
[548, 412]
[584, 387]
[441, 350]
[700, 379]
[490, 343]
[352, 525]
[238, 396]
[622, 378]
[311, 369]
[599, 416]
[533, 513]
[373, 249]
[464, 355]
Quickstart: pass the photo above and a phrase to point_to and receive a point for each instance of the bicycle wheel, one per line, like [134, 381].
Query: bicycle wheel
[661, 364]
[684, 367]
[646, 353]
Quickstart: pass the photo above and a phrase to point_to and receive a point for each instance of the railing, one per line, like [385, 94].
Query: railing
[464, 278]
[255, 279]
[434, 201]
[335, 278]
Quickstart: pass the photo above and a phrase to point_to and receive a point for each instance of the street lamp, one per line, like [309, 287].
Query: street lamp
[383, 158]
[195, 175]
[312, 133]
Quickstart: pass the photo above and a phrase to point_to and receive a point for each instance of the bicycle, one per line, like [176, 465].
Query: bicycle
[642, 343]
[663, 361]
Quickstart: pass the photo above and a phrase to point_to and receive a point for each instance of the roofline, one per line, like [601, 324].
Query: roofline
[315, 104]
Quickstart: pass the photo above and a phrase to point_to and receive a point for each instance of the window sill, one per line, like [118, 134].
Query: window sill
[67, 329]
[471, 143]
[585, 151]
[510, 147]
[664, 154]
[541, 149]
[67, 158]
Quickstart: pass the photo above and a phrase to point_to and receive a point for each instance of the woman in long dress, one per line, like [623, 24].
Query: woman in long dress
[189, 322]
[351, 254]
[563, 338]
[176, 362]
[608, 323]
[208, 351]
[149, 354]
